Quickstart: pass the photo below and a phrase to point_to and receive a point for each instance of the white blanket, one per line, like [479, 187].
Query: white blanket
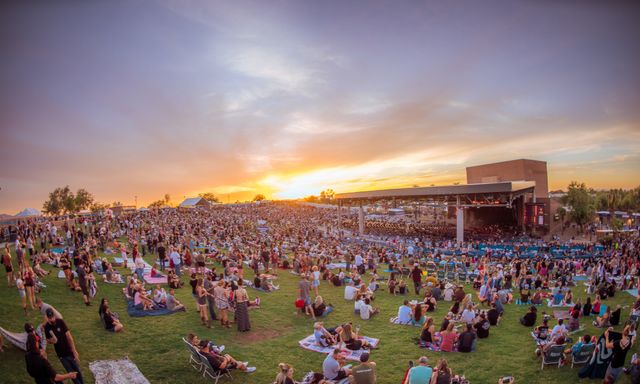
[117, 372]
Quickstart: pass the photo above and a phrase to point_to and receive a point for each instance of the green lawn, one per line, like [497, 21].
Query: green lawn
[154, 344]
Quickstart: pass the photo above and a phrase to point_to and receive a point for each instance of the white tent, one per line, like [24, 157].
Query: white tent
[28, 212]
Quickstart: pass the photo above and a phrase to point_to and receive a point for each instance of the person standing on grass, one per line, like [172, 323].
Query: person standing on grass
[8, 266]
[174, 256]
[58, 334]
[620, 349]
[304, 293]
[416, 276]
[162, 255]
[39, 367]
[83, 282]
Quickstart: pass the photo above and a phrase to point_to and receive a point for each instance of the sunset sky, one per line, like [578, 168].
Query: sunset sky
[287, 98]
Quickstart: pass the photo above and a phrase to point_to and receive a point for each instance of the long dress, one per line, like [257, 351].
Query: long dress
[242, 310]
[208, 285]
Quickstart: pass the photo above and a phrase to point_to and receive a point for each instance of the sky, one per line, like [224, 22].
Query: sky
[287, 98]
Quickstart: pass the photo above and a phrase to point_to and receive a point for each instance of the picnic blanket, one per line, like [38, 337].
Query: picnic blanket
[632, 292]
[562, 314]
[394, 320]
[134, 312]
[580, 278]
[160, 279]
[309, 343]
[336, 265]
[117, 372]
[561, 305]
[435, 346]
[249, 283]
[62, 276]
[57, 250]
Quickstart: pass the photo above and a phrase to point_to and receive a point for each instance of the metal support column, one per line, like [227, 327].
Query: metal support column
[459, 222]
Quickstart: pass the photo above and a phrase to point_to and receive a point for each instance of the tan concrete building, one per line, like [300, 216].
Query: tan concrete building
[513, 170]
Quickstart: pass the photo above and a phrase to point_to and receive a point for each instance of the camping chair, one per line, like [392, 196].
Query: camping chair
[553, 356]
[441, 274]
[451, 275]
[634, 318]
[214, 374]
[462, 276]
[584, 354]
[194, 356]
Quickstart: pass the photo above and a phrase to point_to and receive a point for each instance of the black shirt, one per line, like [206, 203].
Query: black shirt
[482, 328]
[529, 319]
[59, 330]
[492, 316]
[465, 341]
[619, 353]
[39, 368]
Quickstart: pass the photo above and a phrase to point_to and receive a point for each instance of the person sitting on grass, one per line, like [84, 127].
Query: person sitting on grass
[493, 315]
[332, 366]
[320, 309]
[448, 338]
[285, 375]
[323, 337]
[365, 373]
[172, 303]
[140, 299]
[482, 326]
[350, 339]
[160, 296]
[223, 363]
[537, 297]
[173, 280]
[542, 331]
[466, 340]
[404, 313]
[603, 321]
[366, 310]
[421, 373]
[428, 332]
[442, 374]
[417, 318]
[111, 321]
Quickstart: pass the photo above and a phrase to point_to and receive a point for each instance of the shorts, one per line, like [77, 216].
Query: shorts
[22, 292]
[612, 374]
[341, 375]
[112, 329]
[315, 283]
[307, 302]
[8, 268]
[84, 289]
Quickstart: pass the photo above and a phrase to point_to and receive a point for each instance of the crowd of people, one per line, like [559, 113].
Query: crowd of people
[498, 268]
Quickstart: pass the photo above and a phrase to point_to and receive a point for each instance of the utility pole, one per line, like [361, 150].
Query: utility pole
[136, 199]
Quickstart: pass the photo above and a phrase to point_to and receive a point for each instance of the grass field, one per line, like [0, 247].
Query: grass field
[154, 344]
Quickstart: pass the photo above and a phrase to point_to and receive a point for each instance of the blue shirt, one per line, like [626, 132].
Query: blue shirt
[420, 374]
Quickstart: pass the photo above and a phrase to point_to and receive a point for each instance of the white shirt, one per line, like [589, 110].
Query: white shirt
[175, 257]
[358, 260]
[404, 314]
[468, 316]
[358, 305]
[365, 311]
[558, 330]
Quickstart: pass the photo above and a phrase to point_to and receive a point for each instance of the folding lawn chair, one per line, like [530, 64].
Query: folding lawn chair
[214, 374]
[584, 354]
[553, 356]
[194, 356]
